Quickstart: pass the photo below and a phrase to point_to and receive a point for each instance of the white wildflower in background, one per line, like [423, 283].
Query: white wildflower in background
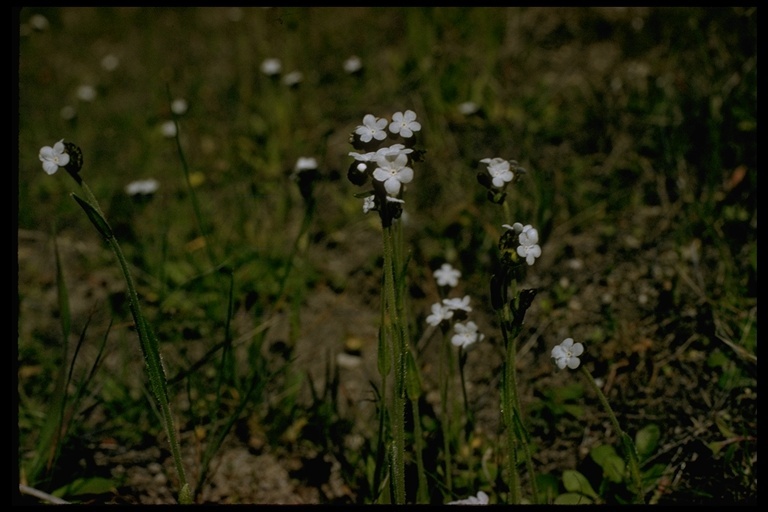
[179, 106]
[393, 172]
[567, 354]
[498, 168]
[447, 275]
[53, 157]
[271, 67]
[457, 304]
[439, 313]
[68, 112]
[372, 128]
[404, 124]
[86, 93]
[110, 62]
[353, 64]
[168, 129]
[468, 108]
[480, 499]
[529, 240]
[305, 163]
[293, 78]
[466, 334]
[38, 22]
[142, 187]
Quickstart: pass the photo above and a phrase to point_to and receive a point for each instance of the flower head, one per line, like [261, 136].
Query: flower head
[271, 67]
[458, 304]
[372, 128]
[439, 313]
[393, 172]
[369, 203]
[447, 275]
[305, 163]
[142, 187]
[404, 124]
[567, 354]
[529, 243]
[466, 334]
[53, 157]
[480, 499]
[353, 64]
[498, 168]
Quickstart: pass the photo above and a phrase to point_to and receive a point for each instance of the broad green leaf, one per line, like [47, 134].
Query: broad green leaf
[647, 440]
[576, 482]
[93, 485]
[413, 383]
[572, 498]
[601, 453]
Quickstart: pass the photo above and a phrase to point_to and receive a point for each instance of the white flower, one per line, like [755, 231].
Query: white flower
[305, 164]
[393, 172]
[528, 248]
[439, 313]
[372, 128]
[447, 275]
[142, 187]
[38, 22]
[481, 499]
[293, 78]
[362, 157]
[168, 129]
[86, 93]
[353, 64]
[458, 304]
[369, 203]
[393, 150]
[271, 67]
[468, 108]
[567, 354]
[179, 106]
[498, 168]
[68, 112]
[404, 124]
[53, 157]
[466, 334]
[110, 62]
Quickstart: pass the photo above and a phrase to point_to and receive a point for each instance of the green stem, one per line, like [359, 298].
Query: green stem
[445, 365]
[151, 352]
[397, 416]
[626, 442]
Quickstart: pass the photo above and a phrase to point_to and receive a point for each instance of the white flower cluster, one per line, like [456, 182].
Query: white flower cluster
[528, 237]
[465, 333]
[388, 165]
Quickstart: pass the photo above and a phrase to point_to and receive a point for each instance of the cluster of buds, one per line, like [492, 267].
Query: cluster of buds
[384, 155]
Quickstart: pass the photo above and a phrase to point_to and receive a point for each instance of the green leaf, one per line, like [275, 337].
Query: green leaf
[613, 466]
[412, 381]
[93, 485]
[95, 217]
[647, 440]
[572, 498]
[384, 359]
[601, 453]
[576, 482]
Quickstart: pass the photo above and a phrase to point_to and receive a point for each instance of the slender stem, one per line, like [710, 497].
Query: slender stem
[397, 416]
[626, 442]
[446, 364]
[151, 351]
